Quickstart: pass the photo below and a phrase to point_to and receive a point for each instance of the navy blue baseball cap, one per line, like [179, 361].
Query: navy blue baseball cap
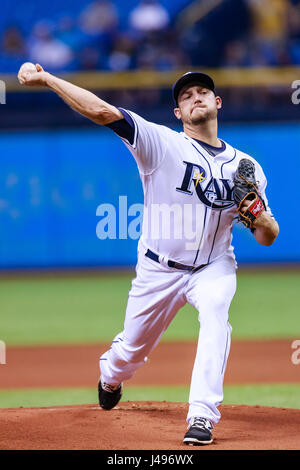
[192, 77]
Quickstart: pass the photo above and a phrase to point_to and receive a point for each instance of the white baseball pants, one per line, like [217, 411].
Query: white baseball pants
[157, 293]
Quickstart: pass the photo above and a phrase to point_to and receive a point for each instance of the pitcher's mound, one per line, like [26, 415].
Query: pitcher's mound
[145, 425]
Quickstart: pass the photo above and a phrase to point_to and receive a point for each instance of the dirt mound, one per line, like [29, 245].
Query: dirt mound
[144, 425]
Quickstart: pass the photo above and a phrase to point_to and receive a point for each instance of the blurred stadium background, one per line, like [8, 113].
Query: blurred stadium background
[57, 167]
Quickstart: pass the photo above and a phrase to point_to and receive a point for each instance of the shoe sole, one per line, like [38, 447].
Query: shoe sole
[195, 442]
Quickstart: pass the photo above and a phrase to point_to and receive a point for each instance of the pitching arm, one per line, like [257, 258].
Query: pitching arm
[79, 99]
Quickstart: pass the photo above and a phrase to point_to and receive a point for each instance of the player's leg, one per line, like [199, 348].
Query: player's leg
[211, 291]
[154, 299]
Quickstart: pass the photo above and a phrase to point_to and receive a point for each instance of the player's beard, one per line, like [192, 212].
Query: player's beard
[208, 115]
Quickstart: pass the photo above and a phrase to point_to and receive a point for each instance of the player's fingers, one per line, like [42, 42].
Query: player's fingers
[246, 203]
[21, 78]
[39, 68]
[26, 78]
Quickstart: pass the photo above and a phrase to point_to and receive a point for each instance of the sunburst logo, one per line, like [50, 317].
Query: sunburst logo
[198, 176]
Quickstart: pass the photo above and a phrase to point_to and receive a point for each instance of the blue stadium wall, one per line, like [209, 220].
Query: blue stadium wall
[51, 184]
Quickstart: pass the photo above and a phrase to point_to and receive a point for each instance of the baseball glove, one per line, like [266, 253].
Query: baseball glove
[246, 187]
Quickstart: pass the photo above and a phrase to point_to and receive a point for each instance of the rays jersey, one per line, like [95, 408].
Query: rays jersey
[188, 190]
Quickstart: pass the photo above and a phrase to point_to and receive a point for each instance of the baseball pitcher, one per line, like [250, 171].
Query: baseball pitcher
[195, 185]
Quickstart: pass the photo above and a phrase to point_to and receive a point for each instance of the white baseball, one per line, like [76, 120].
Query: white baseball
[28, 67]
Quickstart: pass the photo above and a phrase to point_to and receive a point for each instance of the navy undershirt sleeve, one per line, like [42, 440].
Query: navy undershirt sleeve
[124, 127]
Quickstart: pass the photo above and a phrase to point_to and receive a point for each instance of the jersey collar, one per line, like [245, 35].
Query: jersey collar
[226, 154]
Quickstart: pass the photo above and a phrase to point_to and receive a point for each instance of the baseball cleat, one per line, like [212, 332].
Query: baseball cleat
[199, 432]
[109, 395]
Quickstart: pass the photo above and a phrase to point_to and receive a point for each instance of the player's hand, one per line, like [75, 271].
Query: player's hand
[246, 203]
[260, 219]
[33, 78]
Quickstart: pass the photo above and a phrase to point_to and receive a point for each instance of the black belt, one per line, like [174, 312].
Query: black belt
[173, 264]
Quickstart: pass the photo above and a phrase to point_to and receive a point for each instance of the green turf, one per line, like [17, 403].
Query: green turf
[279, 395]
[91, 309]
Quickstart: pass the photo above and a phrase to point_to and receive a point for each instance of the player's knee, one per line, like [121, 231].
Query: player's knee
[215, 316]
[216, 306]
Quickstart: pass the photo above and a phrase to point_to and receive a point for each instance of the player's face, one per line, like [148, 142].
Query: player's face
[197, 104]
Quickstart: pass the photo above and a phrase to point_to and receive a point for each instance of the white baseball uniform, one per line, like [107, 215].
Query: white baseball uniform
[188, 218]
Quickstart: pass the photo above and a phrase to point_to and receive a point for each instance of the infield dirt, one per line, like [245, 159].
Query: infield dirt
[145, 425]
[170, 363]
